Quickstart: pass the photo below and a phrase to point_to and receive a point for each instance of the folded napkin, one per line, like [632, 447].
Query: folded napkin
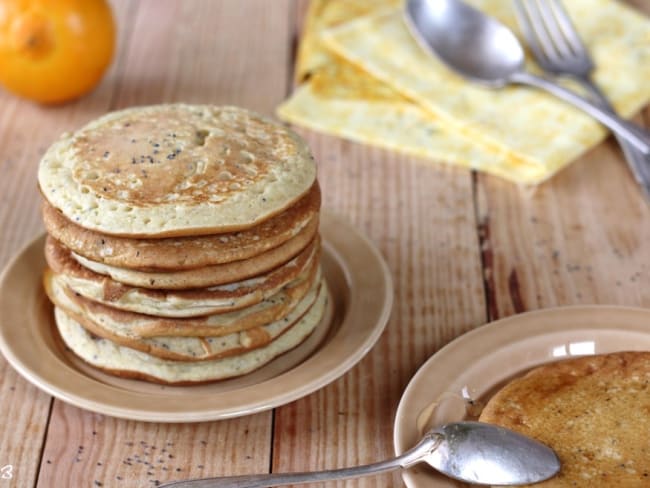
[380, 87]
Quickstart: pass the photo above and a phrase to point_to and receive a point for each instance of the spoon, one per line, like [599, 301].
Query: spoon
[473, 452]
[480, 48]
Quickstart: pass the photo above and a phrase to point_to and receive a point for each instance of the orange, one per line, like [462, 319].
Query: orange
[52, 51]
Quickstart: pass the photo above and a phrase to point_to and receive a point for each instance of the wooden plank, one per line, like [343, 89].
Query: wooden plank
[193, 51]
[579, 239]
[224, 53]
[26, 130]
[422, 219]
[85, 449]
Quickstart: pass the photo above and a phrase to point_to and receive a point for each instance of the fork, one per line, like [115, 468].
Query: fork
[558, 49]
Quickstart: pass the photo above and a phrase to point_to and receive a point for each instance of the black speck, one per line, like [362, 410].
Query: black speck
[48, 461]
[171, 156]
[106, 154]
[94, 432]
[178, 470]
[118, 478]
[99, 463]
[97, 483]
[128, 124]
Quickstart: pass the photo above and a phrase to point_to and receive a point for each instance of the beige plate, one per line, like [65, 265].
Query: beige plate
[361, 297]
[477, 364]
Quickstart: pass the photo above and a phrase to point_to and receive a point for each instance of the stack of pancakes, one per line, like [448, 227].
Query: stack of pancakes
[182, 242]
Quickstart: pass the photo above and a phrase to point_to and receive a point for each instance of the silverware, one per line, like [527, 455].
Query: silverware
[474, 452]
[484, 50]
[558, 49]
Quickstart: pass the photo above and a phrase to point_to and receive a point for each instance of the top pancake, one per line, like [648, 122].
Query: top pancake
[174, 170]
[592, 410]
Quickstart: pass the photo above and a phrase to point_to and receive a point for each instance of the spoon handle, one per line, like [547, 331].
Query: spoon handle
[409, 458]
[622, 128]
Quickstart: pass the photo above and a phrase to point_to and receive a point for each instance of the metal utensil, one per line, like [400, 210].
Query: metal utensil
[558, 49]
[484, 50]
[474, 452]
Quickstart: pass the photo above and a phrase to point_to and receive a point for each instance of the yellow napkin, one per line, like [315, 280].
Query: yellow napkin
[517, 133]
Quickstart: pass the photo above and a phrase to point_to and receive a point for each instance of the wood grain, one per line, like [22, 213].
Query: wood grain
[574, 240]
[172, 58]
[422, 219]
[463, 248]
[85, 449]
[581, 238]
[26, 130]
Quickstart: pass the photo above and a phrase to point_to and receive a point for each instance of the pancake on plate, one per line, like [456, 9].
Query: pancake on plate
[130, 363]
[191, 302]
[182, 348]
[137, 325]
[186, 252]
[594, 411]
[183, 242]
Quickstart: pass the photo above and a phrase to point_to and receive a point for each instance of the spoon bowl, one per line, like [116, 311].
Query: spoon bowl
[482, 49]
[477, 452]
[431, 21]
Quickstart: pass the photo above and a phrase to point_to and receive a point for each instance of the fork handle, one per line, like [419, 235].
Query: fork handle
[638, 162]
[622, 128]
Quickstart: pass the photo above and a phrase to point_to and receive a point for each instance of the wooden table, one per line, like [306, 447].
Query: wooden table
[463, 248]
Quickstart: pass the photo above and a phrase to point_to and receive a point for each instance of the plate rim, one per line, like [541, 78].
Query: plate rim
[540, 327]
[281, 396]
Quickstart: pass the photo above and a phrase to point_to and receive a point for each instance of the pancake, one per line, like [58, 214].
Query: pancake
[594, 411]
[61, 260]
[195, 348]
[183, 303]
[95, 316]
[127, 362]
[184, 252]
[217, 274]
[175, 170]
